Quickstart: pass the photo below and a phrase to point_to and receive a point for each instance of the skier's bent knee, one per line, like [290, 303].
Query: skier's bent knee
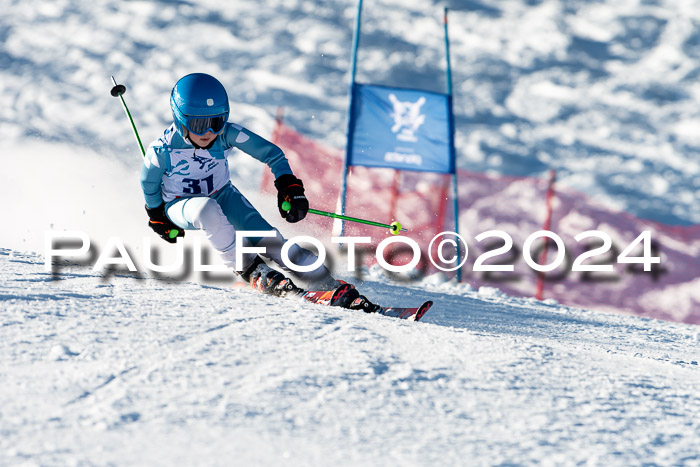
[209, 216]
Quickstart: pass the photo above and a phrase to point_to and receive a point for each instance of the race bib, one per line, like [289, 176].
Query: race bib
[194, 173]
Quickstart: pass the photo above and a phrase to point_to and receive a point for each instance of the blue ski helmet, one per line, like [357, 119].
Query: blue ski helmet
[200, 104]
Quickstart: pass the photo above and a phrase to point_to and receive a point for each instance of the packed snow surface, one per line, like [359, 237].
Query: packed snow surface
[125, 370]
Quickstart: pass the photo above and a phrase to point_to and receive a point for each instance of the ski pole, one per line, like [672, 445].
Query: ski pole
[395, 227]
[117, 91]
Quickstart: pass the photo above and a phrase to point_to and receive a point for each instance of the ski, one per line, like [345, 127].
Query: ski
[341, 296]
[411, 314]
[347, 296]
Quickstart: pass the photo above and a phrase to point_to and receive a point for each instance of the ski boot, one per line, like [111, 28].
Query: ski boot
[266, 280]
[347, 296]
[360, 302]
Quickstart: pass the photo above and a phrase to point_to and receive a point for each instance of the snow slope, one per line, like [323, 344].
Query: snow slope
[132, 371]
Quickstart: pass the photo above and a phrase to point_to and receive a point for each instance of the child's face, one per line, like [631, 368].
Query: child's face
[204, 140]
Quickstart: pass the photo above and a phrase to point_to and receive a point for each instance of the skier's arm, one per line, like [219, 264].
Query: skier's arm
[259, 148]
[152, 175]
[154, 166]
[290, 190]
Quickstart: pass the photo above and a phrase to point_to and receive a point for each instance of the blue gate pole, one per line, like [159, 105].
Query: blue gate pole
[348, 145]
[453, 155]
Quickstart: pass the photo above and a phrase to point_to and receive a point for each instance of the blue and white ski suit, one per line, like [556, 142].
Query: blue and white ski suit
[195, 186]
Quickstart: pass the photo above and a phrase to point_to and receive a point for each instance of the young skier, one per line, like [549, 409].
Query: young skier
[186, 182]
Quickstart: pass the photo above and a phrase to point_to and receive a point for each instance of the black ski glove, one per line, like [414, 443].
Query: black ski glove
[291, 190]
[159, 222]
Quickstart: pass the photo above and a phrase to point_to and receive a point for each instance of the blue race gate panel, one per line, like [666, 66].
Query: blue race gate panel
[399, 128]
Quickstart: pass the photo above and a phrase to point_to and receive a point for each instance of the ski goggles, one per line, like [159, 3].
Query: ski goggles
[201, 125]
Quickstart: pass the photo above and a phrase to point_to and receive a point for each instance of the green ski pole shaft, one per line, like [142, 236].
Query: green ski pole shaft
[352, 219]
[394, 227]
[117, 91]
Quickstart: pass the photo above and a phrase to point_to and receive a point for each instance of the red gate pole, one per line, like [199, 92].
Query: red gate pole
[539, 292]
[394, 195]
[443, 194]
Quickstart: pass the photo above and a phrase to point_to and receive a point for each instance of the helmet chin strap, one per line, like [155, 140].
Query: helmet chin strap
[189, 140]
[203, 147]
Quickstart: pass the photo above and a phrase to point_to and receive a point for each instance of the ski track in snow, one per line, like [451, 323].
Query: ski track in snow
[132, 370]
